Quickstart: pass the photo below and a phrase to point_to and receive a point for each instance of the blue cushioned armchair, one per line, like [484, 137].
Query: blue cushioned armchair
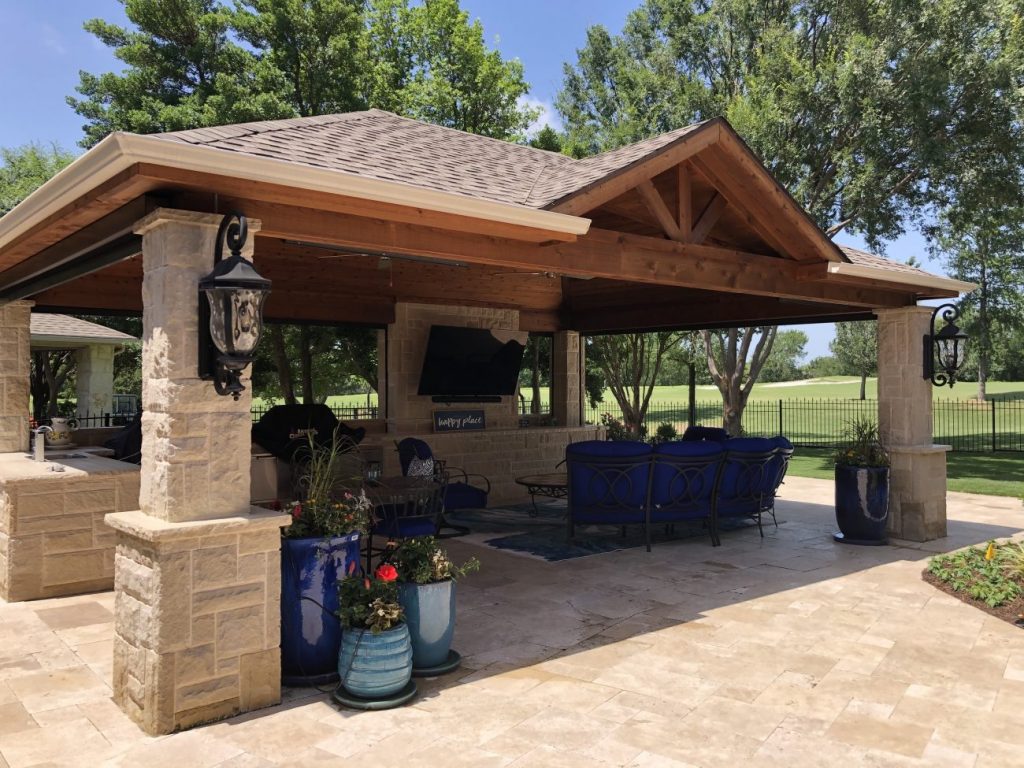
[607, 483]
[682, 484]
[746, 480]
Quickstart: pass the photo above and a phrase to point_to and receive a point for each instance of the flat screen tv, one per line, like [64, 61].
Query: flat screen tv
[471, 364]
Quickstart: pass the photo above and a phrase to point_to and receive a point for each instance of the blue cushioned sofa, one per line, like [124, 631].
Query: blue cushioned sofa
[633, 483]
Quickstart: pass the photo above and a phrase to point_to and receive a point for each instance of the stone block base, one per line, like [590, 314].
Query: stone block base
[917, 492]
[197, 618]
[53, 540]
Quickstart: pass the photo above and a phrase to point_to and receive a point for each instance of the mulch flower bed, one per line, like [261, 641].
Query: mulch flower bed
[990, 578]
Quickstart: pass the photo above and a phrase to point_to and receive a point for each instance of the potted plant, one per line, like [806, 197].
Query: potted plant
[427, 593]
[375, 660]
[862, 485]
[318, 548]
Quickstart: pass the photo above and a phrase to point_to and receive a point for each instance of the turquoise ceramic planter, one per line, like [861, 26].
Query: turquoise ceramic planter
[430, 613]
[375, 666]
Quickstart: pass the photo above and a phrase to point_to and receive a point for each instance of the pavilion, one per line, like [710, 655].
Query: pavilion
[368, 218]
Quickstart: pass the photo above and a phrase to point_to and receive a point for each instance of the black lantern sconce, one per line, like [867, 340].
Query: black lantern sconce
[944, 350]
[230, 310]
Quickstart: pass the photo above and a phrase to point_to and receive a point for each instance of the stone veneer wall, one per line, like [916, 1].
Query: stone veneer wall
[14, 375]
[407, 338]
[198, 619]
[94, 378]
[53, 540]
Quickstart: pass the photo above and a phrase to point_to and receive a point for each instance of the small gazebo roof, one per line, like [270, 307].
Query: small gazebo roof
[67, 332]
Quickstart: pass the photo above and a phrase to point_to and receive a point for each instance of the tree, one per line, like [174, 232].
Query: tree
[783, 364]
[630, 363]
[727, 354]
[855, 348]
[873, 114]
[50, 372]
[24, 168]
[822, 367]
[988, 251]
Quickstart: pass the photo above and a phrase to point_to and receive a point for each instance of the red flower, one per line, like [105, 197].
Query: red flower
[297, 512]
[351, 567]
[387, 572]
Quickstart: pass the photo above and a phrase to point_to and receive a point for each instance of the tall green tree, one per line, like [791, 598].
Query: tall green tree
[873, 113]
[22, 169]
[989, 251]
[783, 364]
[855, 349]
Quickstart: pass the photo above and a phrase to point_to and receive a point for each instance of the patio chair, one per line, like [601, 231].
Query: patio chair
[607, 484]
[682, 483]
[745, 475]
[695, 433]
[405, 514]
[417, 458]
[777, 475]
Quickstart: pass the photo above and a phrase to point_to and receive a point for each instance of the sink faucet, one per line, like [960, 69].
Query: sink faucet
[39, 445]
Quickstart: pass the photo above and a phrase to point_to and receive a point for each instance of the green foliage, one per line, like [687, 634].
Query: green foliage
[971, 572]
[861, 446]
[616, 430]
[24, 168]
[420, 560]
[822, 367]
[1011, 559]
[369, 603]
[783, 364]
[855, 349]
[665, 433]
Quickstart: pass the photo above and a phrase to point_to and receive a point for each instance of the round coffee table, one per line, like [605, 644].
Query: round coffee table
[553, 485]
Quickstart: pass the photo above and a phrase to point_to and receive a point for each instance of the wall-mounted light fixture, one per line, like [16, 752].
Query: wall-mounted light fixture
[944, 350]
[231, 314]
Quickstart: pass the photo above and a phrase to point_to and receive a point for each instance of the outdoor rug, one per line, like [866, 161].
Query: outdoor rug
[512, 529]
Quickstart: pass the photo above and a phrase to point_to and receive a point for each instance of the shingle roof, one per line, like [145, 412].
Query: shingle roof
[64, 327]
[381, 145]
[857, 256]
[384, 146]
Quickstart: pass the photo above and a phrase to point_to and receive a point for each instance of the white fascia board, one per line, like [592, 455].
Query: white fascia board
[119, 151]
[914, 279]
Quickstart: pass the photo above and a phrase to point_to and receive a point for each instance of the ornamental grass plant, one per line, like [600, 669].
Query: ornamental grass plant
[330, 507]
[861, 446]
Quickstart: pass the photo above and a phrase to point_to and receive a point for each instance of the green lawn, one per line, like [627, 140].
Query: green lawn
[988, 473]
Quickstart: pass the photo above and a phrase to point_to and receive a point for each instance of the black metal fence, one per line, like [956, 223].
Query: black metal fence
[343, 413]
[967, 425]
[103, 419]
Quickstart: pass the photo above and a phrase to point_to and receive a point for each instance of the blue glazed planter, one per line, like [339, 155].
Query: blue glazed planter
[311, 634]
[862, 503]
[430, 613]
[375, 666]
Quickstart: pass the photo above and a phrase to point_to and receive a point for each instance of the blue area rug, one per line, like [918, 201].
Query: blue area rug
[514, 530]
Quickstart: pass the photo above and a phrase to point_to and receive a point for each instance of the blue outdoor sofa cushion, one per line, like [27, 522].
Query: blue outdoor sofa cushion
[683, 476]
[607, 481]
[746, 476]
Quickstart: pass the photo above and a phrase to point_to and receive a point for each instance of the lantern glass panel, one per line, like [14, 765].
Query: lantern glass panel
[247, 320]
[217, 298]
[950, 352]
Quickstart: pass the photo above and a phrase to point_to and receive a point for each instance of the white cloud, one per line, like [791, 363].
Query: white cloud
[52, 39]
[547, 116]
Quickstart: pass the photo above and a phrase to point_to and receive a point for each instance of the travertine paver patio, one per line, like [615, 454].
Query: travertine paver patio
[791, 652]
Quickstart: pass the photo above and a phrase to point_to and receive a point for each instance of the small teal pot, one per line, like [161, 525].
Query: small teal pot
[430, 613]
[375, 666]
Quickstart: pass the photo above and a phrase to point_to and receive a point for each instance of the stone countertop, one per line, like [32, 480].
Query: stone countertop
[21, 466]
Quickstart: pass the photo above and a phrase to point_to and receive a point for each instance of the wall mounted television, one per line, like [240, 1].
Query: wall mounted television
[471, 365]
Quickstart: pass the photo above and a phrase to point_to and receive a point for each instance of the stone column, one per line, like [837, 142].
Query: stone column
[197, 569]
[917, 481]
[567, 379]
[15, 359]
[94, 379]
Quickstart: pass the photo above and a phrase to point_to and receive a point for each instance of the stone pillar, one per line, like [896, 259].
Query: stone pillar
[197, 569]
[917, 481]
[94, 378]
[567, 388]
[15, 359]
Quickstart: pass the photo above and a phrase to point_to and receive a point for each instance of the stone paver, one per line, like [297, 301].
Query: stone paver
[784, 653]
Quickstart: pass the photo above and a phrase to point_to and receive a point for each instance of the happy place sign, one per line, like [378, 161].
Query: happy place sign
[459, 421]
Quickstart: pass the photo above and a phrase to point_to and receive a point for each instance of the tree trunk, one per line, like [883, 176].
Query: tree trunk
[863, 385]
[284, 369]
[535, 378]
[306, 365]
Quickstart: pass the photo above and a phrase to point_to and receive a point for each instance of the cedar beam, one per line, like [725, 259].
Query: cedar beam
[712, 213]
[656, 205]
[684, 200]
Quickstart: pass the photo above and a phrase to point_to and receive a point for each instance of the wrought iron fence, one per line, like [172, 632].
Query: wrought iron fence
[92, 420]
[343, 413]
[967, 425]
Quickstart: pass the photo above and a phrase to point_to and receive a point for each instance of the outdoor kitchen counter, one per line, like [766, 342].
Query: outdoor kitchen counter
[53, 540]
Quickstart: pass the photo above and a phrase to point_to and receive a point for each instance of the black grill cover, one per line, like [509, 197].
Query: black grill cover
[127, 444]
[284, 430]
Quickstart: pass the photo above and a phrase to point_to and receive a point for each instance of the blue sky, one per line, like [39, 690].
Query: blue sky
[43, 46]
